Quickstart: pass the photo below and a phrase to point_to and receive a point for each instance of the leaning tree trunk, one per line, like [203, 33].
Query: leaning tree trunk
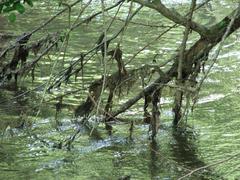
[192, 58]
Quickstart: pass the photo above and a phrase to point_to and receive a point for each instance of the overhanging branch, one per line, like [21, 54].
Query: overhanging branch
[193, 55]
[174, 16]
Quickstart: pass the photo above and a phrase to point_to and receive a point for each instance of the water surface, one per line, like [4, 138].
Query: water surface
[213, 134]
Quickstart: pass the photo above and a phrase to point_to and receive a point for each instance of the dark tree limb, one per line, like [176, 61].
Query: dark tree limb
[155, 121]
[148, 90]
[177, 109]
[192, 56]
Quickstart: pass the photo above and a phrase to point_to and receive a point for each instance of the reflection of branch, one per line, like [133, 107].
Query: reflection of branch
[207, 166]
[170, 161]
[174, 16]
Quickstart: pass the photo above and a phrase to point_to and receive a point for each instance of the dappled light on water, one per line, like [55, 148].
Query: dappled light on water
[41, 138]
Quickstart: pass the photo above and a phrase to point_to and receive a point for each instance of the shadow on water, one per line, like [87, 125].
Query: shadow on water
[12, 108]
[185, 151]
[153, 167]
[183, 146]
[12, 99]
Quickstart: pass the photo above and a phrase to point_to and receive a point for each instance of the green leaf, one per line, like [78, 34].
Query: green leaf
[222, 24]
[9, 2]
[12, 17]
[19, 7]
[29, 2]
[1, 7]
[8, 9]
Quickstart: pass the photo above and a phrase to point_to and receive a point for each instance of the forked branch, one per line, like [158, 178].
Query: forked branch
[174, 16]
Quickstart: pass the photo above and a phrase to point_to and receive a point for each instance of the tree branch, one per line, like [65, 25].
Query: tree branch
[193, 55]
[207, 166]
[174, 16]
[163, 79]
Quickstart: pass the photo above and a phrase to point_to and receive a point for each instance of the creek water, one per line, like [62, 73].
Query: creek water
[212, 135]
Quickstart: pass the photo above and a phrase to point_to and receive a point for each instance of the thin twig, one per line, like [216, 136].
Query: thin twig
[37, 28]
[210, 165]
[163, 33]
[219, 48]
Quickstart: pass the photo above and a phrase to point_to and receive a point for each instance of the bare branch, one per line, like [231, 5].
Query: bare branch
[179, 94]
[174, 16]
[193, 55]
[184, 41]
[207, 166]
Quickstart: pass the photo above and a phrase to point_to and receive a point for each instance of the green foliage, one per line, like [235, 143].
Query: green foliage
[12, 17]
[9, 6]
[19, 7]
[29, 2]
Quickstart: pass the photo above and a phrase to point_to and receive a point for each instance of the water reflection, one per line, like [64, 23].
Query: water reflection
[12, 109]
[185, 151]
[154, 160]
[184, 148]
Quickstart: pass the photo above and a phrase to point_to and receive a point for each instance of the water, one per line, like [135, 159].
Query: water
[213, 134]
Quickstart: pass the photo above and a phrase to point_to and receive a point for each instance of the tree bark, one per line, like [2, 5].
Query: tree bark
[192, 56]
